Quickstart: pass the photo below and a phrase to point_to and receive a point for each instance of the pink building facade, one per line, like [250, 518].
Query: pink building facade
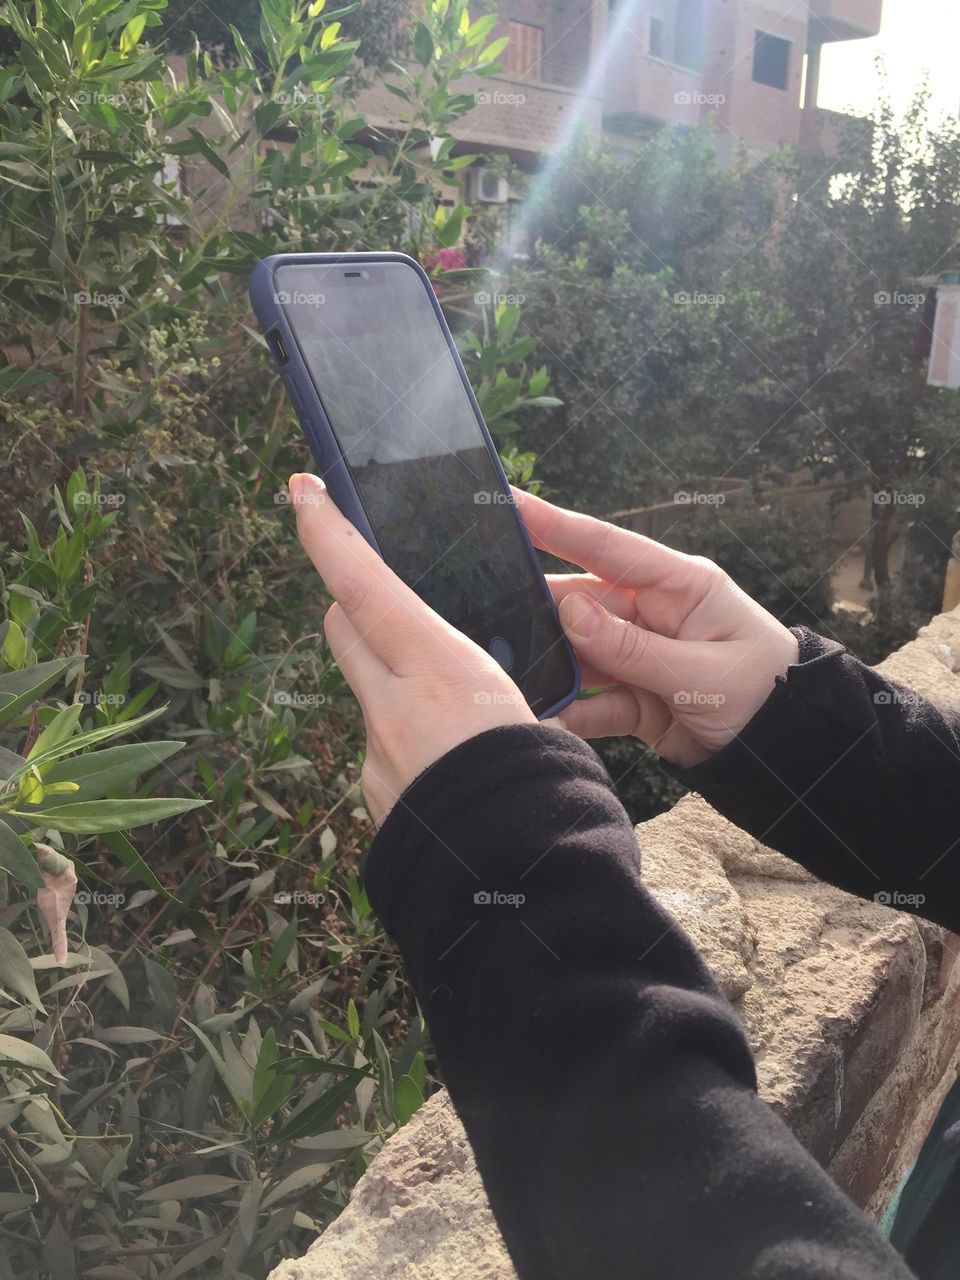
[628, 67]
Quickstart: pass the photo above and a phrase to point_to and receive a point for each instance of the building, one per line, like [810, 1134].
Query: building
[751, 65]
[625, 68]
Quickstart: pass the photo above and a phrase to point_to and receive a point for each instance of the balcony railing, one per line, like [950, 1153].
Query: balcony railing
[649, 89]
[523, 117]
[844, 139]
[846, 19]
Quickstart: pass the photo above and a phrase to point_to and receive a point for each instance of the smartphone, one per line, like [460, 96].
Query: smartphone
[385, 403]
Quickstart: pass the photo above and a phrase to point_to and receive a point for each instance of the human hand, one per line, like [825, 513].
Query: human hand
[422, 685]
[685, 658]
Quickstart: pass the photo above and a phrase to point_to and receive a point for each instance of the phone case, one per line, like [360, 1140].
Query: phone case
[320, 436]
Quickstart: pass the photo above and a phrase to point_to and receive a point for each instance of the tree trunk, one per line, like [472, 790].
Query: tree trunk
[81, 358]
[882, 540]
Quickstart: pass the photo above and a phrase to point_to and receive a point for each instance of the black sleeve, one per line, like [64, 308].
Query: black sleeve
[853, 776]
[605, 1084]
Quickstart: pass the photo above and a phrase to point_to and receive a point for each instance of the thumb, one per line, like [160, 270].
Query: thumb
[627, 653]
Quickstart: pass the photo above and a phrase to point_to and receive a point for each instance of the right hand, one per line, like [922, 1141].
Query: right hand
[683, 656]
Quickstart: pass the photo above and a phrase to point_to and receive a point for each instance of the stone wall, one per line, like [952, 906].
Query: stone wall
[853, 1011]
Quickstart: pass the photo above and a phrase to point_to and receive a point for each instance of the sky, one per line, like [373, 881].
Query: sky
[915, 36]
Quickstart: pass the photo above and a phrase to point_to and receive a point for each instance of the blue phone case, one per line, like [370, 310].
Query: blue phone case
[320, 435]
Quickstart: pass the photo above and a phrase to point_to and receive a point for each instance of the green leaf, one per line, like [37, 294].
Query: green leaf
[508, 317]
[19, 689]
[106, 772]
[91, 737]
[201, 1184]
[16, 973]
[448, 225]
[124, 852]
[423, 46]
[58, 730]
[17, 860]
[407, 1098]
[130, 36]
[93, 817]
[239, 647]
[14, 646]
[235, 1085]
[22, 379]
[318, 1115]
[494, 49]
[26, 1055]
[270, 1090]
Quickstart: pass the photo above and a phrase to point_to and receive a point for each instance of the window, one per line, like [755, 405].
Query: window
[771, 60]
[675, 32]
[688, 40]
[657, 41]
[523, 55]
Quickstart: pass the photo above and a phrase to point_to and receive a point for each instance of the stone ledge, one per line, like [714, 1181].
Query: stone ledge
[853, 1012]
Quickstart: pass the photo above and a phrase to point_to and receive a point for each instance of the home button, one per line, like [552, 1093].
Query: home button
[502, 651]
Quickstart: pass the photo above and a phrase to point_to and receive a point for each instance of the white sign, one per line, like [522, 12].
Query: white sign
[944, 368]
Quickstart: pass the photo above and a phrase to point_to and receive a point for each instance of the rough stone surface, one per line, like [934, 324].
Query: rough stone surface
[419, 1212]
[853, 1012]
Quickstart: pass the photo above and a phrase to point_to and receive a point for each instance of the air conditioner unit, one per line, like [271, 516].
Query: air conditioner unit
[485, 186]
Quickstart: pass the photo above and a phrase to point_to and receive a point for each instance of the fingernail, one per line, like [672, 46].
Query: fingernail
[301, 484]
[580, 615]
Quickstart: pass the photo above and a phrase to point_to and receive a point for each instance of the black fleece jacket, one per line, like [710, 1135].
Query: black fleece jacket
[605, 1083]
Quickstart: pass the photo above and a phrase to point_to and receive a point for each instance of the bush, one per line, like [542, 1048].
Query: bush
[196, 1085]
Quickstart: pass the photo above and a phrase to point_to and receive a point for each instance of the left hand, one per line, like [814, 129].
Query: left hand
[422, 685]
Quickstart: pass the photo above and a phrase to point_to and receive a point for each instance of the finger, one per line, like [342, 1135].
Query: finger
[619, 600]
[628, 654]
[613, 714]
[363, 671]
[612, 553]
[394, 622]
[618, 713]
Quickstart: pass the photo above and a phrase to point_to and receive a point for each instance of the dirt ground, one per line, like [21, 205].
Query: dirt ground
[847, 575]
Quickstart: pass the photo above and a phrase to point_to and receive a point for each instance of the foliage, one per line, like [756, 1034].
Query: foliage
[376, 25]
[770, 314]
[229, 1042]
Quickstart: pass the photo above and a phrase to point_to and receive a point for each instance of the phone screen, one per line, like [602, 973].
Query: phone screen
[393, 394]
